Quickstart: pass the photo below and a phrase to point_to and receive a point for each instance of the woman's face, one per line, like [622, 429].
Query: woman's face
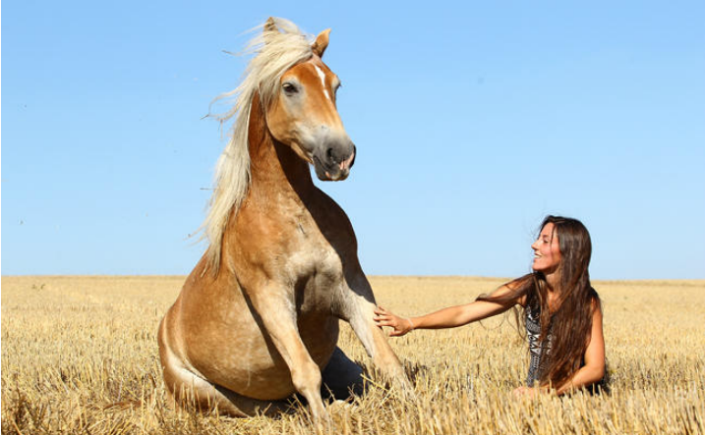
[547, 253]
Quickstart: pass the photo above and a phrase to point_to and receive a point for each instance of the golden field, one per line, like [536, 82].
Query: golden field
[79, 355]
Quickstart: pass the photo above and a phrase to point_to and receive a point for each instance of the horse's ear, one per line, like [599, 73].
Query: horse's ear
[270, 25]
[270, 28]
[321, 43]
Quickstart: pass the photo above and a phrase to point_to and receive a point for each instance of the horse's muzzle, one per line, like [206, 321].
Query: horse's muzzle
[334, 165]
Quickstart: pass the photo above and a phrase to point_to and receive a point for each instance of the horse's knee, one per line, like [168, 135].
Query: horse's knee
[306, 376]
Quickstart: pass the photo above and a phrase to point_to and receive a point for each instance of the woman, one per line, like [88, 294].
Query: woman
[561, 311]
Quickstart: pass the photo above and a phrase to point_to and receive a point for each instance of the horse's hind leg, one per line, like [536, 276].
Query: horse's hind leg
[191, 391]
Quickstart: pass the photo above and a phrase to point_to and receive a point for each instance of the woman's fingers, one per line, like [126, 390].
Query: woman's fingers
[397, 332]
[385, 318]
[389, 322]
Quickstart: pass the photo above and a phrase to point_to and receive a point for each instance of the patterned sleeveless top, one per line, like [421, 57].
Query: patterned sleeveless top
[536, 348]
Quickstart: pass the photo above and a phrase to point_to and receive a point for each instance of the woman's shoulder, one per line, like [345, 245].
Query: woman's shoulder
[595, 299]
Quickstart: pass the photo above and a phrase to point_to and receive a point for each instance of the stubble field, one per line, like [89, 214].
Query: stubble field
[79, 355]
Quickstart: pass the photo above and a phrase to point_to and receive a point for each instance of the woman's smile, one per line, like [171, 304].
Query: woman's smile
[547, 253]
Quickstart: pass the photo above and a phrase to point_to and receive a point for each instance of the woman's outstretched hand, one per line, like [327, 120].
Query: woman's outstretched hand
[400, 325]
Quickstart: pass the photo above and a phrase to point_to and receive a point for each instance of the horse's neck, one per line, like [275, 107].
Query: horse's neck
[275, 169]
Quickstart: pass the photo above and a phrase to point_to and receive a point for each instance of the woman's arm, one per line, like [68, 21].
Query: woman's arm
[450, 317]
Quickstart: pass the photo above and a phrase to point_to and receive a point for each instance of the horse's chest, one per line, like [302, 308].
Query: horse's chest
[317, 262]
[295, 249]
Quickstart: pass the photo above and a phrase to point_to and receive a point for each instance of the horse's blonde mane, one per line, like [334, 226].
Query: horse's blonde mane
[278, 46]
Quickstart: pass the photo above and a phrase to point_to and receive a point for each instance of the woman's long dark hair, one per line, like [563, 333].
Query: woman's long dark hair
[570, 322]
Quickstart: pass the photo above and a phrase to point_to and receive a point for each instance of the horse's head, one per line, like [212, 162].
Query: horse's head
[304, 116]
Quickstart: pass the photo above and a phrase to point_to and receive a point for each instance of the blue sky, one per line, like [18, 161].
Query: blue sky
[472, 120]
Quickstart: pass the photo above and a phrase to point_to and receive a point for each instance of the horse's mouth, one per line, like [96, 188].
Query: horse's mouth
[334, 171]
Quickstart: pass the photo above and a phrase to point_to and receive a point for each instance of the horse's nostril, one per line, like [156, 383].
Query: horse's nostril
[329, 154]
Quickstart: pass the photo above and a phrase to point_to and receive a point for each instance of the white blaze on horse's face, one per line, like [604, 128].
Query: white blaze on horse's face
[304, 116]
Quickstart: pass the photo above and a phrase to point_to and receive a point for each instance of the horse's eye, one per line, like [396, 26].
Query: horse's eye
[290, 88]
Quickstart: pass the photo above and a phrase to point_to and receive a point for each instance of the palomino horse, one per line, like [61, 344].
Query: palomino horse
[257, 319]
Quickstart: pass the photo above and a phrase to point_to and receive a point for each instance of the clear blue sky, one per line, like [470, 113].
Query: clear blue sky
[472, 121]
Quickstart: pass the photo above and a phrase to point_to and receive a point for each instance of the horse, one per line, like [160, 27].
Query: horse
[257, 320]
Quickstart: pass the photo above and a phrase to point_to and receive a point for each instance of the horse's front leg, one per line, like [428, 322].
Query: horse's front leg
[356, 306]
[274, 304]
